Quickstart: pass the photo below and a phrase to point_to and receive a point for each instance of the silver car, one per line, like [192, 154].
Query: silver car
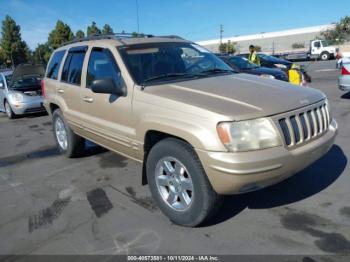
[20, 90]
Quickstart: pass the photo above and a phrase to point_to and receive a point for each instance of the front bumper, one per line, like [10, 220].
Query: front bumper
[234, 173]
[344, 83]
[28, 106]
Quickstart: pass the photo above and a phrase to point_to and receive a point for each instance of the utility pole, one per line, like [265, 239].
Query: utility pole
[221, 31]
[137, 17]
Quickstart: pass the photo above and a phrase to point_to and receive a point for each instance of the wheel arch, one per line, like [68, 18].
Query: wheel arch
[53, 107]
[151, 138]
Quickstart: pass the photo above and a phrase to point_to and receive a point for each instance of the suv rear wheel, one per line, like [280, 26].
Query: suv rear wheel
[67, 141]
[179, 184]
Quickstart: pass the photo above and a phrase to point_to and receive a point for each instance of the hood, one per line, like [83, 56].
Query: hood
[265, 70]
[239, 96]
[275, 60]
[28, 70]
[330, 49]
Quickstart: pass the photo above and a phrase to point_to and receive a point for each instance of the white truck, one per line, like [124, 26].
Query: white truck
[317, 49]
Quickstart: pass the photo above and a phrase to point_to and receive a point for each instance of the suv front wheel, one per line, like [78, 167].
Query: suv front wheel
[67, 141]
[179, 184]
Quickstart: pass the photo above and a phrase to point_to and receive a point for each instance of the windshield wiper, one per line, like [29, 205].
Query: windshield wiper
[165, 76]
[215, 71]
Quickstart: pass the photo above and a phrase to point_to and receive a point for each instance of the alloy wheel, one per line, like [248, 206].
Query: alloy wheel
[174, 183]
[61, 133]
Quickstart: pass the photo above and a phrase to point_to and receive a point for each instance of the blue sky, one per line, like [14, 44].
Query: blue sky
[192, 19]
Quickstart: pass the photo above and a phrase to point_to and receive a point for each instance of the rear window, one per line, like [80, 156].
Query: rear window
[54, 65]
[73, 67]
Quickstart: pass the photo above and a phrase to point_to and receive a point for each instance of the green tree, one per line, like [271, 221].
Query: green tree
[229, 47]
[298, 45]
[340, 33]
[257, 48]
[93, 29]
[134, 34]
[41, 54]
[79, 34]
[2, 58]
[107, 30]
[59, 35]
[14, 49]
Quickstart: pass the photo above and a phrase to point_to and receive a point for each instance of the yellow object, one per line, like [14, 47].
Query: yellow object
[294, 76]
[254, 58]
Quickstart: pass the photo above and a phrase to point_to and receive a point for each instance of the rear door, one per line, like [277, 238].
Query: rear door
[69, 88]
[107, 118]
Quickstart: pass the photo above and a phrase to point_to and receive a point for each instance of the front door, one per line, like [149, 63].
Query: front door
[107, 118]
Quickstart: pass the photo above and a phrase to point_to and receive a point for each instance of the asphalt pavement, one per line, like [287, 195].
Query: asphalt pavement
[96, 205]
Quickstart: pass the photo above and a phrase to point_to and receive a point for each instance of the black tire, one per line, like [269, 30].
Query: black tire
[205, 203]
[10, 114]
[325, 56]
[75, 143]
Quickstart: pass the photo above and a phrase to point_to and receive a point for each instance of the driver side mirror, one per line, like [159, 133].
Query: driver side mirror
[108, 86]
[2, 85]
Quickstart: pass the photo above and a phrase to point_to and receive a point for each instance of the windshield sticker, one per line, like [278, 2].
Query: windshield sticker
[200, 48]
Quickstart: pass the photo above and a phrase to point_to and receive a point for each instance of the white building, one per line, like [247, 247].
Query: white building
[272, 41]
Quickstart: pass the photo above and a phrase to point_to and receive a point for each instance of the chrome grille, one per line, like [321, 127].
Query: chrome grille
[303, 126]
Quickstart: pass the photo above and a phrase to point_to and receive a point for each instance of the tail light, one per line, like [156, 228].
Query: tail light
[42, 83]
[344, 71]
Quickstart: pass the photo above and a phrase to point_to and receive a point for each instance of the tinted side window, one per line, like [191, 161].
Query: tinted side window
[102, 65]
[73, 67]
[54, 65]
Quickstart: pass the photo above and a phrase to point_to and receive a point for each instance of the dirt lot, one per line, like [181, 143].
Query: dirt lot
[96, 204]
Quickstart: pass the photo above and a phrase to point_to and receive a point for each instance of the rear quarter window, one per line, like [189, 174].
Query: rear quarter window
[54, 65]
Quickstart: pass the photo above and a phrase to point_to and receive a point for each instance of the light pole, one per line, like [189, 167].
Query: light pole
[137, 17]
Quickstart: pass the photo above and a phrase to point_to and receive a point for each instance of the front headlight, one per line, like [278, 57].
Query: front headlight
[17, 97]
[281, 66]
[248, 135]
[267, 76]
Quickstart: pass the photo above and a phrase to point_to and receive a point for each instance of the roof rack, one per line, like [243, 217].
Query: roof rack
[116, 36]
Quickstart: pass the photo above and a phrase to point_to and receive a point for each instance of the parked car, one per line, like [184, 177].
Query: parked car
[243, 65]
[282, 64]
[344, 78]
[199, 129]
[20, 90]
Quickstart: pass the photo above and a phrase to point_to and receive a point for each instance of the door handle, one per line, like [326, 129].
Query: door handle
[61, 91]
[88, 99]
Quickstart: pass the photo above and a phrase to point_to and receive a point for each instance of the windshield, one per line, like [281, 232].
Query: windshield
[154, 62]
[324, 43]
[242, 62]
[266, 56]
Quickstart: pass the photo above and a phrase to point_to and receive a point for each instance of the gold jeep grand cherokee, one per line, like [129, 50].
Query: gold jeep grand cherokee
[199, 129]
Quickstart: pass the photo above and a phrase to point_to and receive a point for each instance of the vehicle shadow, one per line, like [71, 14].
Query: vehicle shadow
[346, 95]
[92, 149]
[32, 115]
[306, 183]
